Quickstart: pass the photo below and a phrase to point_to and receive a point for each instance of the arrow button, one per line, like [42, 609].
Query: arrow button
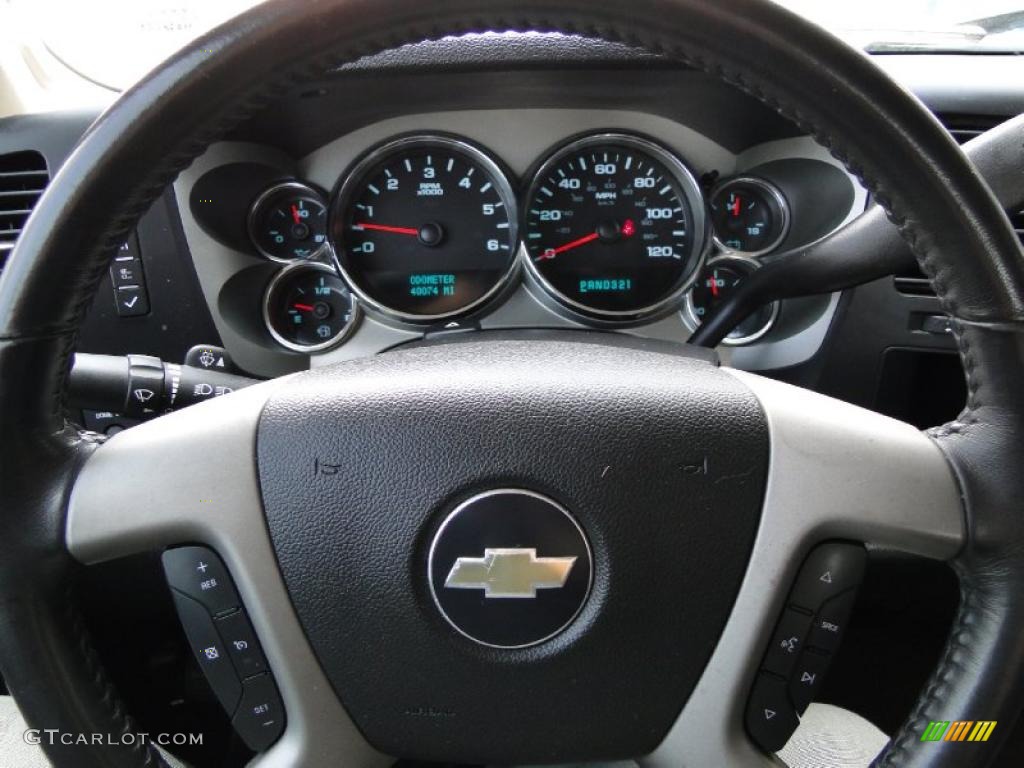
[770, 718]
[830, 569]
[807, 678]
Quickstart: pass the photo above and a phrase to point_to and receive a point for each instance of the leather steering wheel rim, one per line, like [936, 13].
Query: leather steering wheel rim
[880, 132]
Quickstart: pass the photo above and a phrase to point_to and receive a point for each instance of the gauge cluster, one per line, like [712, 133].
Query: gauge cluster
[614, 228]
[366, 244]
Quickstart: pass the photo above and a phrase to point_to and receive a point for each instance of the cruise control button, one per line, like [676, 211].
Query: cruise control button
[260, 716]
[829, 569]
[770, 717]
[806, 680]
[830, 623]
[241, 644]
[209, 651]
[200, 574]
[787, 642]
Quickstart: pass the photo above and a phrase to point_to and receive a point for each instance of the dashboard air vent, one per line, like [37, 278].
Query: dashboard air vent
[23, 177]
[962, 128]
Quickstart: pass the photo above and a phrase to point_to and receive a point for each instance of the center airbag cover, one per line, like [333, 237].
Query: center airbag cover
[659, 458]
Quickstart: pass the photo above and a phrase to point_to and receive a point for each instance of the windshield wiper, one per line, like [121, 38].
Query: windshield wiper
[996, 25]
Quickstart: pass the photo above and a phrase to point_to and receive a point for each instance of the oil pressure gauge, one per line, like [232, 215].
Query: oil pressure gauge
[288, 223]
[308, 308]
[750, 216]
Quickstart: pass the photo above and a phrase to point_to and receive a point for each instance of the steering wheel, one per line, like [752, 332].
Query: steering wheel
[687, 493]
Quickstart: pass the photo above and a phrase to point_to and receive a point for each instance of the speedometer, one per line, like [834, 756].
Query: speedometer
[425, 228]
[614, 226]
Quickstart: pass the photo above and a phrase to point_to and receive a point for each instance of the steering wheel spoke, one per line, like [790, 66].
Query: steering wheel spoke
[836, 472]
[190, 478]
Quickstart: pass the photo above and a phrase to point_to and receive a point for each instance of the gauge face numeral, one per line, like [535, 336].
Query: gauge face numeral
[308, 308]
[609, 226]
[717, 281]
[288, 223]
[750, 216]
[426, 228]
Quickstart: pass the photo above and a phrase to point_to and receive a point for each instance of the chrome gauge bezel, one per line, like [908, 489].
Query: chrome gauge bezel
[295, 187]
[275, 283]
[354, 175]
[691, 190]
[774, 192]
[690, 311]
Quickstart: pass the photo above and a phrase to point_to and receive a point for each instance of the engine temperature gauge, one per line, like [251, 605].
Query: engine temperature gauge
[288, 222]
[750, 216]
[716, 283]
[308, 308]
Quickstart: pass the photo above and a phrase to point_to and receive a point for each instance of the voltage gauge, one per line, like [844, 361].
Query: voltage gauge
[750, 216]
[308, 308]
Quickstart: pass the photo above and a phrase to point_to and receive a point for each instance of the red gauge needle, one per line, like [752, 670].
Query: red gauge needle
[550, 253]
[303, 307]
[296, 215]
[734, 208]
[384, 228]
[713, 281]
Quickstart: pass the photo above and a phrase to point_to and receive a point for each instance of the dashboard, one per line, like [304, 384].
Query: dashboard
[504, 218]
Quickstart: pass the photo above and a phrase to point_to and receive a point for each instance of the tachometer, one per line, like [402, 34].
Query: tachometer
[425, 228]
[614, 226]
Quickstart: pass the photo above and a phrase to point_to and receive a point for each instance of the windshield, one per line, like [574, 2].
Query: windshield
[114, 42]
[900, 25]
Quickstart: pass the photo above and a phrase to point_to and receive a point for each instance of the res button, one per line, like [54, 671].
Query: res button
[199, 573]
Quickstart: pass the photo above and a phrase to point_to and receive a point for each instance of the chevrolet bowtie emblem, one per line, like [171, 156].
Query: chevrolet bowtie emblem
[510, 573]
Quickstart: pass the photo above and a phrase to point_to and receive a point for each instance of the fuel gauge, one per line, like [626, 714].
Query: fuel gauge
[750, 216]
[308, 308]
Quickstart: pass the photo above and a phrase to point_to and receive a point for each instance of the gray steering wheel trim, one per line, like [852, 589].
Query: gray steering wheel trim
[837, 472]
[941, 205]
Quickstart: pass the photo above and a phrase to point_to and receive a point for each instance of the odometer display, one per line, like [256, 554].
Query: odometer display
[614, 226]
[425, 228]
